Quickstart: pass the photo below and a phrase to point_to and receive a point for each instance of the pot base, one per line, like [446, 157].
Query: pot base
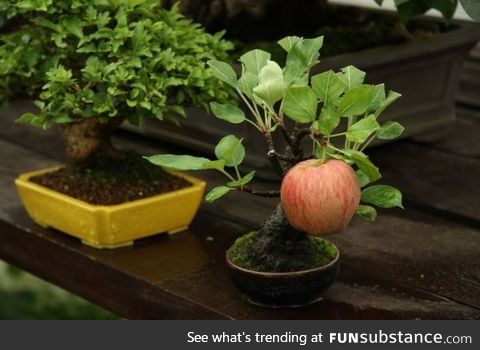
[284, 306]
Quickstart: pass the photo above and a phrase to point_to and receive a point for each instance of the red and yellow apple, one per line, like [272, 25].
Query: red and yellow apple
[319, 197]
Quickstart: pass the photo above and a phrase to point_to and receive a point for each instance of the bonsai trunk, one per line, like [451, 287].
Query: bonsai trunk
[88, 140]
[279, 247]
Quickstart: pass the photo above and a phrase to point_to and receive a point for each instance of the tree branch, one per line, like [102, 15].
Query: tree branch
[269, 194]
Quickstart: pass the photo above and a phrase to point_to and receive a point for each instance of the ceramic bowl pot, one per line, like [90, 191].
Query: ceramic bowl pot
[113, 226]
[284, 289]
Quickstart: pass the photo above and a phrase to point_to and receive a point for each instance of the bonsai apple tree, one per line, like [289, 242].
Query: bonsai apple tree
[326, 122]
[90, 65]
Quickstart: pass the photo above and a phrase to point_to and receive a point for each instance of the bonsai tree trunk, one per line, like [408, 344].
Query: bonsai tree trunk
[280, 247]
[88, 139]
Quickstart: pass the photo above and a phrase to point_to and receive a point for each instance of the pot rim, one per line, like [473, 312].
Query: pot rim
[284, 274]
[24, 180]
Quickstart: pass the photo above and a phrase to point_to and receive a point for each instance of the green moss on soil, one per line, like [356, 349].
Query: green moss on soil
[239, 253]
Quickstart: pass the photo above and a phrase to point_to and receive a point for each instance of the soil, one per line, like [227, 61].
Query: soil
[111, 182]
[239, 254]
[345, 30]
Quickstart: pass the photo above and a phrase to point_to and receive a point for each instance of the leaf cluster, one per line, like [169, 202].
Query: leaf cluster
[316, 105]
[106, 58]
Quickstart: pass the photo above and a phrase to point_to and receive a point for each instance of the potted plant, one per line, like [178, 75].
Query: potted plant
[287, 262]
[90, 67]
[421, 57]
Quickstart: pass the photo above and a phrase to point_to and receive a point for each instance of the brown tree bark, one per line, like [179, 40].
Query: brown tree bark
[88, 138]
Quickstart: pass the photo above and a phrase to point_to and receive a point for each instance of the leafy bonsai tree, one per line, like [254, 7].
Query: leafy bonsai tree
[326, 122]
[91, 64]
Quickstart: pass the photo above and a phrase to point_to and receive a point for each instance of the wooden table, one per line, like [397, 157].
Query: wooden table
[423, 262]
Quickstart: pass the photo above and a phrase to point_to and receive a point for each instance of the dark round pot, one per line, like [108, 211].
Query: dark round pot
[284, 289]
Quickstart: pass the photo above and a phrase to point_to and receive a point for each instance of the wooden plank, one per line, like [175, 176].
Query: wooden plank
[434, 179]
[462, 140]
[184, 276]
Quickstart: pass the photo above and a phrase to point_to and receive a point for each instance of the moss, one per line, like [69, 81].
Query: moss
[239, 253]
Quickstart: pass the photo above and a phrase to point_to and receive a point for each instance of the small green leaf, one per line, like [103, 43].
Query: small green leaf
[328, 121]
[392, 97]
[367, 212]
[255, 60]
[217, 192]
[179, 162]
[229, 113]
[247, 83]
[365, 165]
[271, 85]
[472, 8]
[377, 98]
[231, 150]
[356, 101]
[361, 130]
[382, 196]
[300, 104]
[224, 72]
[243, 181]
[363, 179]
[390, 130]
[328, 87]
[288, 42]
[352, 77]
[218, 164]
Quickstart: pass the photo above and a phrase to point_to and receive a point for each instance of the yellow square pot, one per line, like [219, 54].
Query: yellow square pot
[111, 226]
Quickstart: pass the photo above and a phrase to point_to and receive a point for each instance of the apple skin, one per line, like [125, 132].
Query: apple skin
[320, 198]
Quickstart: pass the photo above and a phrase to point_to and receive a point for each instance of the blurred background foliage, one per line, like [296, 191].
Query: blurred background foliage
[24, 296]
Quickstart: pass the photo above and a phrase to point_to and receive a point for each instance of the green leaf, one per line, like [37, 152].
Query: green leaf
[229, 113]
[472, 7]
[300, 104]
[367, 212]
[255, 60]
[271, 85]
[302, 55]
[365, 165]
[382, 196]
[328, 87]
[243, 181]
[377, 98]
[218, 164]
[217, 192]
[352, 77]
[179, 162]
[247, 83]
[390, 130]
[231, 150]
[288, 42]
[224, 72]
[361, 130]
[328, 121]
[363, 179]
[392, 97]
[356, 101]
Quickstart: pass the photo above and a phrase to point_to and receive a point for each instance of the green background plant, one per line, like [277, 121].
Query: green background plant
[90, 64]
[317, 106]
[408, 9]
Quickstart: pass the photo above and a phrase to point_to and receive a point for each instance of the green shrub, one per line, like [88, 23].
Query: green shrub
[105, 61]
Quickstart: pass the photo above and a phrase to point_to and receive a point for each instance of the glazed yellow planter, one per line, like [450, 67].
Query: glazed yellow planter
[111, 226]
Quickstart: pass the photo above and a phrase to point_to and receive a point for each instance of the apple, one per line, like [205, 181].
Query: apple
[319, 197]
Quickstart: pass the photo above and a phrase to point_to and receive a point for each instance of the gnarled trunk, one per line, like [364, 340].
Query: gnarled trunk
[87, 139]
[280, 247]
